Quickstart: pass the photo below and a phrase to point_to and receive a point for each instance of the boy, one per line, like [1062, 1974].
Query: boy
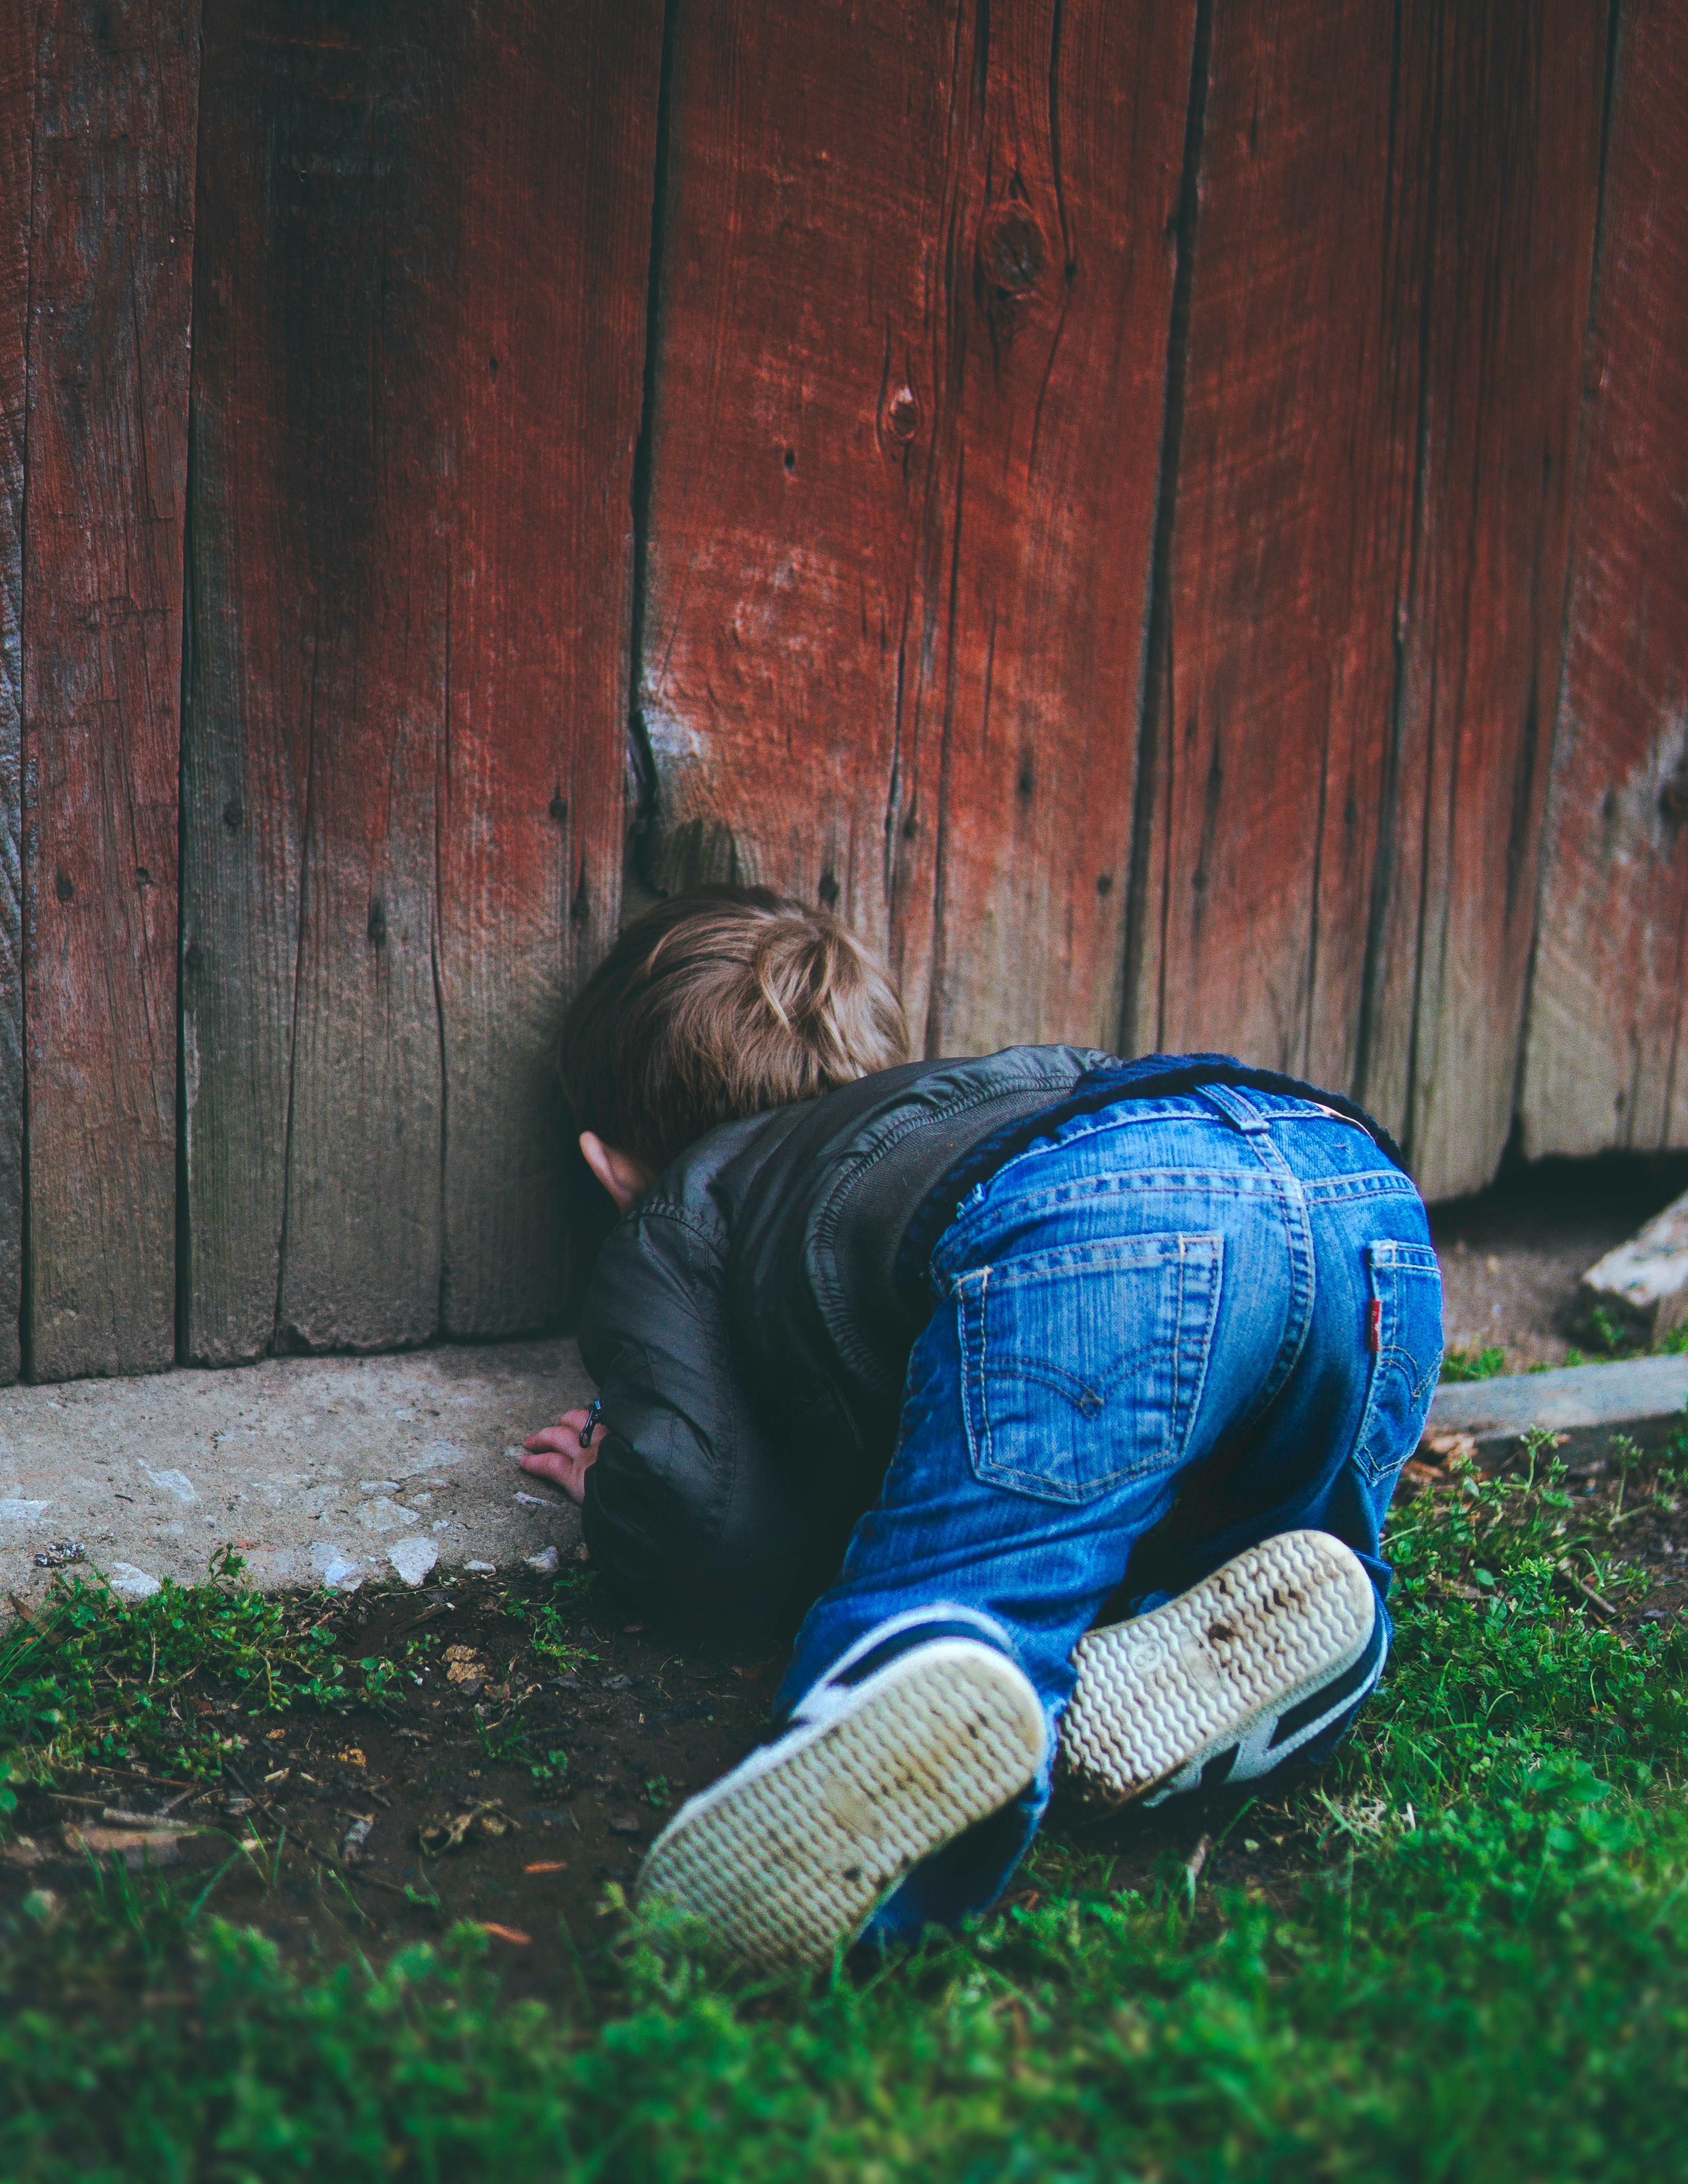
[957, 1352]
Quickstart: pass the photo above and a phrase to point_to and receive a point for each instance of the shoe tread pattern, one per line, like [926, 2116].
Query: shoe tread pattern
[780, 1868]
[1163, 1693]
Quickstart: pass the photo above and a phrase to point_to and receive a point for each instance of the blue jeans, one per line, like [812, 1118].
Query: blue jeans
[1172, 1330]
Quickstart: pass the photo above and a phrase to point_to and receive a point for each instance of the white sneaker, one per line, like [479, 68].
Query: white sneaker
[786, 1857]
[1225, 1683]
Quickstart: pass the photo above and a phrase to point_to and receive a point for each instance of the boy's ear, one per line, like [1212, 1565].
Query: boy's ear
[624, 1178]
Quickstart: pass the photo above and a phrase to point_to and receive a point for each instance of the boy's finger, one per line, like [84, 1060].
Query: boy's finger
[560, 1440]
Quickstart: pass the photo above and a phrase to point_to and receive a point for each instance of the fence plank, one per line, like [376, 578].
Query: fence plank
[110, 282]
[1351, 717]
[557, 145]
[1514, 147]
[912, 338]
[17, 133]
[421, 278]
[1603, 1063]
[1271, 689]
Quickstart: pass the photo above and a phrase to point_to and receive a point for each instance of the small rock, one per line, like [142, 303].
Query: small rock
[618, 1683]
[357, 1836]
[545, 1562]
[413, 1558]
[632, 1629]
[481, 1569]
[622, 1823]
[538, 1500]
[129, 1583]
[337, 1569]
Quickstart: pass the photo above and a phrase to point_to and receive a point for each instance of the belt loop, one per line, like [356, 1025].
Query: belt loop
[1235, 1105]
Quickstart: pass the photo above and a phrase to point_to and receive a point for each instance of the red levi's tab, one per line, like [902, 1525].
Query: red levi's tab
[1374, 1325]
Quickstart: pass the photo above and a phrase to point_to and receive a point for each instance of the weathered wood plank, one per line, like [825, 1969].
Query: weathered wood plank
[1266, 714]
[1603, 1064]
[422, 281]
[1351, 713]
[111, 251]
[1514, 130]
[317, 678]
[912, 338]
[17, 133]
[556, 149]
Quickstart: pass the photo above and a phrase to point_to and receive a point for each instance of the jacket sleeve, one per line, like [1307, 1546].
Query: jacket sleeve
[685, 1508]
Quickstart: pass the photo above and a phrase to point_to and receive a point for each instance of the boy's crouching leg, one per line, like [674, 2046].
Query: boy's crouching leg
[1254, 1668]
[886, 1761]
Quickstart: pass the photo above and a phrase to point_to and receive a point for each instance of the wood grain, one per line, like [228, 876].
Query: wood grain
[1604, 1063]
[17, 133]
[106, 458]
[917, 271]
[1265, 790]
[1514, 131]
[556, 142]
[422, 281]
[1351, 711]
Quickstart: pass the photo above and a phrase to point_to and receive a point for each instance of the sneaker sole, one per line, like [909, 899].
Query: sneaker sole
[786, 1857]
[1162, 1696]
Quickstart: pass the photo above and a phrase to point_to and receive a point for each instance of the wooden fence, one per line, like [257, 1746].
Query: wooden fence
[1171, 515]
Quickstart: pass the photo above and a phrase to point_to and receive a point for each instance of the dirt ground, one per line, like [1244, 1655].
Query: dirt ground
[1512, 1258]
[512, 1782]
[636, 1722]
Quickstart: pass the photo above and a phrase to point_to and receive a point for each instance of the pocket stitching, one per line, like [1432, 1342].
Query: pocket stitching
[1175, 1251]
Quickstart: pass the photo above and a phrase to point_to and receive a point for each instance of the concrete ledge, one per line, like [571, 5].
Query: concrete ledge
[318, 1470]
[1644, 1397]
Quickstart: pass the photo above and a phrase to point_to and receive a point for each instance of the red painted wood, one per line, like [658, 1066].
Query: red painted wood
[1515, 150]
[545, 338]
[422, 281]
[17, 133]
[912, 341]
[1605, 1063]
[1353, 713]
[106, 454]
[1270, 698]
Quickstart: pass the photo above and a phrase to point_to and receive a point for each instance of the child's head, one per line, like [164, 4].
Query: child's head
[721, 1003]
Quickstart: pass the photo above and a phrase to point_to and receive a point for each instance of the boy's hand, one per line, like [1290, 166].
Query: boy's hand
[554, 1452]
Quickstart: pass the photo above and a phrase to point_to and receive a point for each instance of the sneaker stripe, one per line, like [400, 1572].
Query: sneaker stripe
[1329, 1697]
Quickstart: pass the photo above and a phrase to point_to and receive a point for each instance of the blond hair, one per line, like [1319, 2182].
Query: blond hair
[722, 1002]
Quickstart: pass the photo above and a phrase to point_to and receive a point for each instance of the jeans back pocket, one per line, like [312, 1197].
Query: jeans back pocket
[1082, 1367]
[1405, 1338]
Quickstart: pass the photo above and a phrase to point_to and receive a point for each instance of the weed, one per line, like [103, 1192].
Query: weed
[1473, 1364]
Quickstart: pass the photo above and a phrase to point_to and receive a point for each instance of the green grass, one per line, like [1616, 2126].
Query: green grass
[1470, 1960]
[1461, 1365]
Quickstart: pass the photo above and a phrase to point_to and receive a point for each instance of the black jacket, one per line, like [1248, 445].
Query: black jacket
[749, 1321]
[748, 1340]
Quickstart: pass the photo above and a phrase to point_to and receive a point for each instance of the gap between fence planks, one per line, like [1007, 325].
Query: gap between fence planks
[423, 289]
[17, 148]
[1605, 1063]
[110, 278]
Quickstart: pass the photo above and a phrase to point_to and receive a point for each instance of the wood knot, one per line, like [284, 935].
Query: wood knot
[63, 885]
[828, 891]
[559, 806]
[902, 415]
[232, 813]
[1012, 252]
